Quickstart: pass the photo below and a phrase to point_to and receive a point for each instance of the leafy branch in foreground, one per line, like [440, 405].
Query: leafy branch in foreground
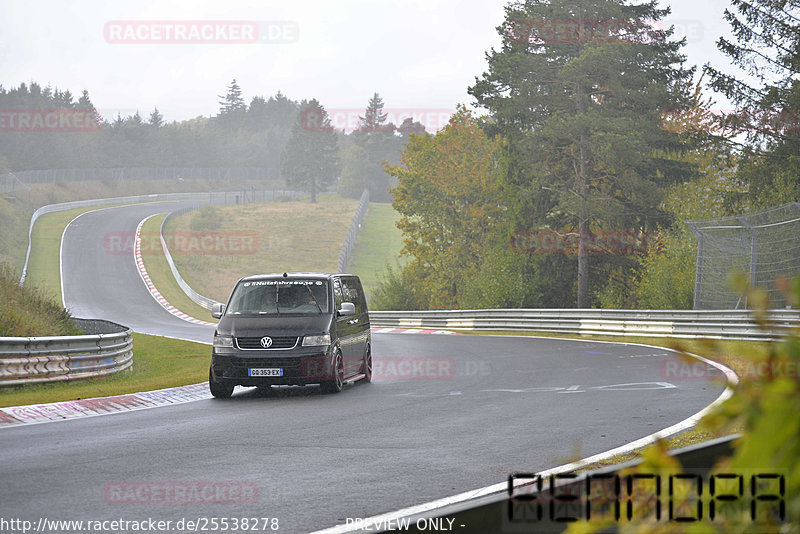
[766, 405]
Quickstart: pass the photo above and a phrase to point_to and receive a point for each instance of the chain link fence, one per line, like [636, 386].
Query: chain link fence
[11, 182]
[764, 245]
[352, 232]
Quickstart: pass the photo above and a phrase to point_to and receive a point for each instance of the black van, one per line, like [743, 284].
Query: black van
[291, 328]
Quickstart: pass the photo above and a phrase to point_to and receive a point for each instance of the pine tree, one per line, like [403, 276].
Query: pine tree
[578, 89]
[310, 159]
[374, 118]
[156, 119]
[232, 108]
[767, 49]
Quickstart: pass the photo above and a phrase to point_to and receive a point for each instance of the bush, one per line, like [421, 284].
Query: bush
[26, 311]
[395, 291]
[667, 279]
[206, 218]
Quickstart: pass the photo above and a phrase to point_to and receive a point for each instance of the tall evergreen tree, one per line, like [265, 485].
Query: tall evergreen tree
[577, 89]
[282, 111]
[156, 119]
[374, 118]
[310, 160]
[257, 114]
[766, 47]
[376, 142]
[232, 107]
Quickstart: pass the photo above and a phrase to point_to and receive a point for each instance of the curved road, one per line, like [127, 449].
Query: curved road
[485, 407]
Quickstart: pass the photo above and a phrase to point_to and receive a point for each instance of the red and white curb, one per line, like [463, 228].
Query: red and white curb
[137, 252]
[60, 411]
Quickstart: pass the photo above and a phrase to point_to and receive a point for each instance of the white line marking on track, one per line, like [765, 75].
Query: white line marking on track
[429, 509]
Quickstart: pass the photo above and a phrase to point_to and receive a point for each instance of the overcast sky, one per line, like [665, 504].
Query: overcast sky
[418, 54]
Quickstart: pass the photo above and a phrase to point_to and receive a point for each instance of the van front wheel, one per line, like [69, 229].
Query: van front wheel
[218, 389]
[335, 385]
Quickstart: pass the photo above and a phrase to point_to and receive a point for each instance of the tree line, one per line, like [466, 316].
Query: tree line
[276, 133]
[599, 140]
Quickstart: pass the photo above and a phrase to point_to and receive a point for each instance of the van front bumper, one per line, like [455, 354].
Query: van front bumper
[301, 366]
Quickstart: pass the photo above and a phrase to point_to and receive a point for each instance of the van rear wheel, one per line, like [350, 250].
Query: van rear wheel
[367, 368]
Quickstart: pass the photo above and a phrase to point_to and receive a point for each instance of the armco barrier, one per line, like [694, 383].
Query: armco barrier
[352, 232]
[203, 301]
[344, 254]
[106, 348]
[732, 324]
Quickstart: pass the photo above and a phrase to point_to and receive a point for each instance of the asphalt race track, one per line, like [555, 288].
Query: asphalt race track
[445, 414]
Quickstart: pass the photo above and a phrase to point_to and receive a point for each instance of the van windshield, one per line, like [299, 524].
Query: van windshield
[276, 297]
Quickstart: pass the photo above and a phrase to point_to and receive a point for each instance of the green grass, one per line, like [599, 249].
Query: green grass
[378, 244]
[14, 222]
[286, 236]
[27, 311]
[157, 267]
[15, 216]
[44, 263]
[158, 363]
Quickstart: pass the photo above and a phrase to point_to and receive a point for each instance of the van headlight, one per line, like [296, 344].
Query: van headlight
[222, 342]
[317, 341]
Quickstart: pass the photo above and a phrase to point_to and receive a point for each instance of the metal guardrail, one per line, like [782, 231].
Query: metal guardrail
[196, 297]
[344, 254]
[352, 232]
[106, 350]
[203, 301]
[10, 180]
[731, 324]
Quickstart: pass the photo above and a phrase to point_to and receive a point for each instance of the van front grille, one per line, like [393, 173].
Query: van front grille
[278, 342]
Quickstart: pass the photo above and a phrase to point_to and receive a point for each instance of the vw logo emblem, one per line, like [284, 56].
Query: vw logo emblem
[266, 342]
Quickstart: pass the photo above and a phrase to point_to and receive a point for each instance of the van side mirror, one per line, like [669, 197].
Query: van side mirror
[217, 310]
[348, 308]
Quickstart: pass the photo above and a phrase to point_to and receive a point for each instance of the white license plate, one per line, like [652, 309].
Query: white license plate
[265, 372]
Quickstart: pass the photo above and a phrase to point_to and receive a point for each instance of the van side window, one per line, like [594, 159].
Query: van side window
[362, 299]
[337, 294]
[350, 288]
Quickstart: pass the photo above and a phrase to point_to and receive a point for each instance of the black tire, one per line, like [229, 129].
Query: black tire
[218, 389]
[367, 367]
[335, 385]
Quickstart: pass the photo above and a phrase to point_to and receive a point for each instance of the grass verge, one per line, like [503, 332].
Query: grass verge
[157, 267]
[259, 238]
[44, 263]
[158, 363]
[378, 244]
[16, 208]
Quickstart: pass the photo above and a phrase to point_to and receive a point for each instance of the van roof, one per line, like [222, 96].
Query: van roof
[294, 276]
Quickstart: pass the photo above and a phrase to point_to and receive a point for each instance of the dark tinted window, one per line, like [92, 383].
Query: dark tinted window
[351, 287]
[337, 293]
[280, 296]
